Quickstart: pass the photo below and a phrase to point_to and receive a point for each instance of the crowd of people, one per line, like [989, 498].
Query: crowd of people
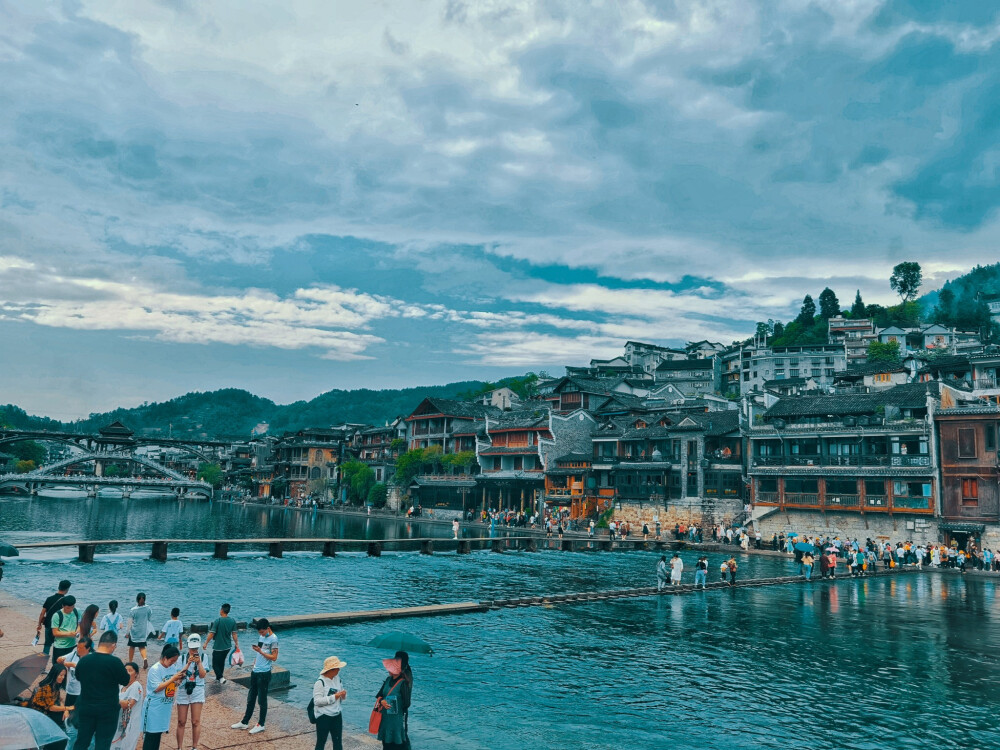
[103, 701]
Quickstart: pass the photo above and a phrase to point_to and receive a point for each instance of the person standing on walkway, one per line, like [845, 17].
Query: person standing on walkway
[807, 565]
[140, 619]
[113, 620]
[100, 674]
[661, 573]
[266, 649]
[50, 606]
[701, 572]
[172, 628]
[676, 567]
[130, 719]
[328, 692]
[223, 632]
[455, 526]
[394, 700]
[191, 694]
[161, 690]
[731, 564]
[65, 623]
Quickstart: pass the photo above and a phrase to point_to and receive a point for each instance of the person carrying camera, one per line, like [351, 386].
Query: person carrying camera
[162, 682]
[192, 692]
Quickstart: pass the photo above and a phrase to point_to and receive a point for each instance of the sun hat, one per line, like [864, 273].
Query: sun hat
[393, 666]
[194, 641]
[332, 662]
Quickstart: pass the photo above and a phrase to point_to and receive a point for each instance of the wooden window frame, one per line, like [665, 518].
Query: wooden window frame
[967, 431]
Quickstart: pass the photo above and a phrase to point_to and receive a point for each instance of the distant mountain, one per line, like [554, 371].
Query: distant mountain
[980, 279]
[232, 413]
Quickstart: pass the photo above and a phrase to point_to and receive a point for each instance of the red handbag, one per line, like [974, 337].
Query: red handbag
[375, 721]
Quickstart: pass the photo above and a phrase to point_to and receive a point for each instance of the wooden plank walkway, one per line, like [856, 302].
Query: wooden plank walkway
[462, 608]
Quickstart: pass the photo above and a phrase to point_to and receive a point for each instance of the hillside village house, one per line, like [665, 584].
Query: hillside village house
[308, 462]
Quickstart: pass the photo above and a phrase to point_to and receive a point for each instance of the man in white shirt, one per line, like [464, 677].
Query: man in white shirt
[266, 649]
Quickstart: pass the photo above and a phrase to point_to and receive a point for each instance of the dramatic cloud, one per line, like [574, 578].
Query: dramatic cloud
[473, 186]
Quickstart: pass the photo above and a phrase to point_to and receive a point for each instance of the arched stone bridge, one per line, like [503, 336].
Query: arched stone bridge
[114, 444]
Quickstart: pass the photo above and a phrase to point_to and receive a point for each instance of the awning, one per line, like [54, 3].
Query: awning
[963, 528]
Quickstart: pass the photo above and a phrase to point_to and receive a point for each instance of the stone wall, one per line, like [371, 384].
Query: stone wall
[702, 512]
[897, 527]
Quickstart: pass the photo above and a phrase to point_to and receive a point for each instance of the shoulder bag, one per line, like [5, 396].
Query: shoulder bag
[376, 718]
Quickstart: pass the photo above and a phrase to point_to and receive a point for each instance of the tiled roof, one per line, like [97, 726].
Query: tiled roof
[520, 418]
[783, 382]
[467, 409]
[685, 364]
[574, 458]
[501, 450]
[947, 361]
[908, 396]
[960, 410]
[872, 368]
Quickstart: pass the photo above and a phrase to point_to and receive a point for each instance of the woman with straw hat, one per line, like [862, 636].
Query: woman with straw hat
[328, 692]
[394, 701]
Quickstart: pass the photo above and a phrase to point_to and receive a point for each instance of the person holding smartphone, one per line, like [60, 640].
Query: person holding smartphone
[266, 650]
[161, 691]
[192, 692]
[328, 692]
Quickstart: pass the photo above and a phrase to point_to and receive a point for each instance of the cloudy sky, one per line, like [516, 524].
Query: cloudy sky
[297, 196]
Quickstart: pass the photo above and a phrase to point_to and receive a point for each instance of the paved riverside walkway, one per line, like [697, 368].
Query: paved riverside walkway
[287, 725]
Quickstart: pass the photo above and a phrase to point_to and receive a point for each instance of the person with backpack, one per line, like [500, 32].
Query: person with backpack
[65, 623]
[113, 620]
[328, 692]
[191, 695]
[731, 564]
[49, 608]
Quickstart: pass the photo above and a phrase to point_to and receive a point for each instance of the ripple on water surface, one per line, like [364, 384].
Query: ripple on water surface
[858, 665]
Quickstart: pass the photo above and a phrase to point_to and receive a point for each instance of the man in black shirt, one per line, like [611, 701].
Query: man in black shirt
[100, 675]
[49, 608]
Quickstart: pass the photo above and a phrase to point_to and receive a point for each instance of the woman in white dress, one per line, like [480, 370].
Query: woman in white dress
[130, 719]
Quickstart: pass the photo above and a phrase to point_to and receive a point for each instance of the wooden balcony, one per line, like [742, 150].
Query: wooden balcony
[868, 503]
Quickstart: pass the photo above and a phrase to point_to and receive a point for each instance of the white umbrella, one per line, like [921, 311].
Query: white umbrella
[26, 729]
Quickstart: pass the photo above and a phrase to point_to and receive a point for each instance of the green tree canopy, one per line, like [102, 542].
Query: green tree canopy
[211, 473]
[807, 313]
[883, 352]
[945, 311]
[858, 308]
[377, 495]
[23, 467]
[829, 305]
[408, 465]
[905, 280]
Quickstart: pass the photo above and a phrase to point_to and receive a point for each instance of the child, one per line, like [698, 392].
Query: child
[173, 628]
[112, 620]
[723, 570]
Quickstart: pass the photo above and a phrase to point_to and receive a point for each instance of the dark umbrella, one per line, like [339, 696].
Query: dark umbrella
[19, 675]
[397, 641]
[7, 550]
[24, 728]
[803, 547]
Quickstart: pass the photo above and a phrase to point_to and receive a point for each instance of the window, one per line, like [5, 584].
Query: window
[967, 443]
[794, 373]
[970, 492]
[991, 437]
[829, 372]
[882, 377]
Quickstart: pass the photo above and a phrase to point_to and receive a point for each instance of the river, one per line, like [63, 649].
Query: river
[858, 665]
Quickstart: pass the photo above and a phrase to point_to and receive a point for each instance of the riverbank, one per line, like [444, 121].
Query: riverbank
[287, 725]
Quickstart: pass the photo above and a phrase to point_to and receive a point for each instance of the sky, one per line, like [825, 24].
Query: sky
[298, 196]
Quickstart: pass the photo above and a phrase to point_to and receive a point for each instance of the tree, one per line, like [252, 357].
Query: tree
[29, 450]
[944, 312]
[211, 473]
[377, 495]
[361, 485]
[829, 305]
[779, 330]
[883, 352]
[807, 313]
[408, 465]
[112, 470]
[905, 280]
[858, 308]
[23, 467]
[432, 456]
